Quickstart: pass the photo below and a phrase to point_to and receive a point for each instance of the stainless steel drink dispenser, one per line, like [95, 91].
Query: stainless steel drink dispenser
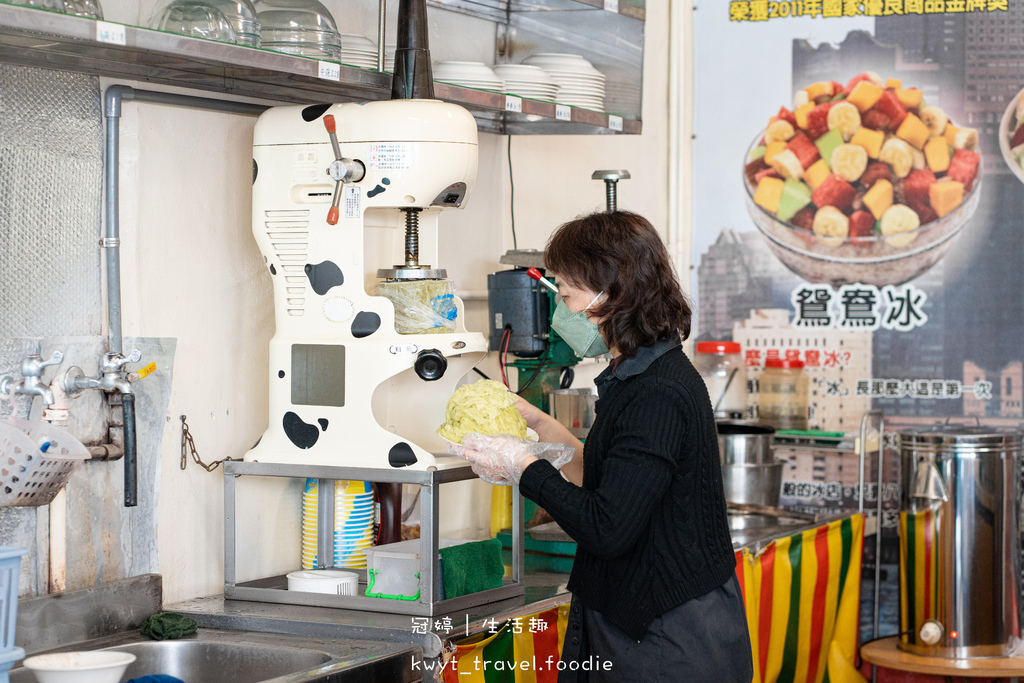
[959, 541]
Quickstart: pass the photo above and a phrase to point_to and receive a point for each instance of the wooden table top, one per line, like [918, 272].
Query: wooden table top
[884, 653]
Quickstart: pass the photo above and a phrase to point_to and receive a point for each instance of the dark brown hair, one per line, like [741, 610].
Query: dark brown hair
[621, 254]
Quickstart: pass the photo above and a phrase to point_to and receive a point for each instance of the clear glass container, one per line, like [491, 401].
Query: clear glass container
[196, 18]
[299, 27]
[84, 8]
[720, 363]
[783, 394]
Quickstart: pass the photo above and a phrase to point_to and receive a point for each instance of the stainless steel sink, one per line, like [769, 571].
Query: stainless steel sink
[213, 656]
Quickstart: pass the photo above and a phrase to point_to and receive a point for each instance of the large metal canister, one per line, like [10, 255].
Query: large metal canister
[959, 541]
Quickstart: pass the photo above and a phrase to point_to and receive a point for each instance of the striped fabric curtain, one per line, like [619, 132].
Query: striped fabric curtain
[524, 650]
[802, 596]
[919, 568]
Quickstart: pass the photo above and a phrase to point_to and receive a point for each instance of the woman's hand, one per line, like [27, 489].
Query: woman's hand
[498, 459]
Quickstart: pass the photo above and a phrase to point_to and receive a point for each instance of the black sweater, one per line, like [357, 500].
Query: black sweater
[649, 520]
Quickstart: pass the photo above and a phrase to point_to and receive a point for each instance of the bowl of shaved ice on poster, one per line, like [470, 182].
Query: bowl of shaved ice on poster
[862, 183]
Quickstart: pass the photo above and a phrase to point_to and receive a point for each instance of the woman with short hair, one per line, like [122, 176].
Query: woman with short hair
[655, 596]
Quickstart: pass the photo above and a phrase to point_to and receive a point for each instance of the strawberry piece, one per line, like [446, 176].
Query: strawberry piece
[838, 89]
[766, 173]
[852, 83]
[891, 106]
[787, 115]
[963, 167]
[862, 224]
[804, 218]
[753, 168]
[875, 171]
[915, 186]
[876, 120]
[804, 149]
[817, 120]
[1018, 137]
[834, 191]
[923, 210]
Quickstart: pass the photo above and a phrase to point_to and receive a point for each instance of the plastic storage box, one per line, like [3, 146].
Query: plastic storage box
[10, 566]
[393, 570]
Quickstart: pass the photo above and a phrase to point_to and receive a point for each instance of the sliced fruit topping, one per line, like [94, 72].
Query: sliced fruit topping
[804, 218]
[891, 106]
[817, 120]
[876, 170]
[910, 98]
[773, 148]
[845, 117]
[945, 196]
[779, 130]
[897, 154]
[965, 138]
[827, 144]
[934, 118]
[878, 198]
[862, 225]
[864, 95]
[769, 194]
[831, 225]
[899, 223]
[870, 140]
[849, 161]
[914, 131]
[787, 165]
[914, 187]
[963, 167]
[804, 149]
[795, 196]
[816, 173]
[936, 152]
[834, 191]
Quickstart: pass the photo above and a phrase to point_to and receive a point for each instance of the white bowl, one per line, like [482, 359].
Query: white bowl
[329, 581]
[1006, 128]
[96, 666]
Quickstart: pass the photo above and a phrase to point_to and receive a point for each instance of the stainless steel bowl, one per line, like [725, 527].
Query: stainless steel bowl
[574, 408]
[755, 484]
[745, 443]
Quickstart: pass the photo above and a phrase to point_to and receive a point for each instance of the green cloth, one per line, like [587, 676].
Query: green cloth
[168, 626]
[472, 567]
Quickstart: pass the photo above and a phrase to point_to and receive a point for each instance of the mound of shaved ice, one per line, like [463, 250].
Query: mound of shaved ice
[485, 407]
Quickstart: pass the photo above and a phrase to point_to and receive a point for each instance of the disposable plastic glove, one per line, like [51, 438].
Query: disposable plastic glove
[498, 459]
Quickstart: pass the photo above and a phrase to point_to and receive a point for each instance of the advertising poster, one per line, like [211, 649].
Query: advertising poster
[859, 207]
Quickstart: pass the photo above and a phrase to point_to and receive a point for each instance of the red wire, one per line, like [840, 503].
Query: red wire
[506, 338]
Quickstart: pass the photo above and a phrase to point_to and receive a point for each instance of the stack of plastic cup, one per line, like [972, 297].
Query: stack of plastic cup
[354, 513]
[353, 523]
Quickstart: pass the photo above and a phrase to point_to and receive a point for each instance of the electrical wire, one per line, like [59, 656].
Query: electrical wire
[506, 338]
[511, 195]
[568, 375]
[536, 372]
[482, 374]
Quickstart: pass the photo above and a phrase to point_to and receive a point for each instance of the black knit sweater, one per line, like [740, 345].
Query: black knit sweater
[649, 520]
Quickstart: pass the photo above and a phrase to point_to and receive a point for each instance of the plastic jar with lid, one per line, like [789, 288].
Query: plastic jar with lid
[783, 394]
[720, 363]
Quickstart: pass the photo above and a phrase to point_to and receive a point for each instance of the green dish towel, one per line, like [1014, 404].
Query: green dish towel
[472, 567]
[168, 626]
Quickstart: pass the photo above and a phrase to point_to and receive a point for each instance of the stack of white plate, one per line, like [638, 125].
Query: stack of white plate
[353, 524]
[526, 80]
[358, 51]
[468, 75]
[580, 84]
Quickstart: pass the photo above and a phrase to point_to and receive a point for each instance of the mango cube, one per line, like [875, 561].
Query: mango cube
[893, 83]
[870, 140]
[864, 95]
[910, 98]
[816, 173]
[769, 194]
[936, 153]
[819, 88]
[945, 196]
[773, 148]
[950, 134]
[879, 197]
[913, 131]
[801, 114]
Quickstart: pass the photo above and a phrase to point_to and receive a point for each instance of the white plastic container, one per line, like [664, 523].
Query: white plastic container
[331, 581]
[393, 570]
[720, 364]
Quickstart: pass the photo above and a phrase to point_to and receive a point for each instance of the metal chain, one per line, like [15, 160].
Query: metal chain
[188, 445]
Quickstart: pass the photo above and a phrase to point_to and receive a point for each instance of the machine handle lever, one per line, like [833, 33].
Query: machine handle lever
[535, 274]
[332, 131]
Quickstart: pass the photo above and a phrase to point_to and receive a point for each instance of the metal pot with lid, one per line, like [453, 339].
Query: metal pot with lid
[959, 540]
[750, 472]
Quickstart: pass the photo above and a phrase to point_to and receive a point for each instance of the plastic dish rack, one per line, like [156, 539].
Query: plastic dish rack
[36, 460]
[10, 565]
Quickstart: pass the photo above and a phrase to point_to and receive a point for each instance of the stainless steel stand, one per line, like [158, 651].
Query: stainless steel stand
[274, 589]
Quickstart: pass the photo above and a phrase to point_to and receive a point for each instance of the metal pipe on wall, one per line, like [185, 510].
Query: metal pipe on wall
[111, 241]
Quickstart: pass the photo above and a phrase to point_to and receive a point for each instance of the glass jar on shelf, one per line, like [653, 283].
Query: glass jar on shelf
[783, 394]
[720, 363]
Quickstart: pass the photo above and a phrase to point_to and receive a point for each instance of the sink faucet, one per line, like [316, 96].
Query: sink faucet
[30, 383]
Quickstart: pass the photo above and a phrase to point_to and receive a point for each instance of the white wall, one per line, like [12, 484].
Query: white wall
[192, 271]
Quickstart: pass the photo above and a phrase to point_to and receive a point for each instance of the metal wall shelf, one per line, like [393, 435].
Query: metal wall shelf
[38, 38]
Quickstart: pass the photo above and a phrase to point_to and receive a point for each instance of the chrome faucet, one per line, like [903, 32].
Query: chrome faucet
[111, 379]
[31, 383]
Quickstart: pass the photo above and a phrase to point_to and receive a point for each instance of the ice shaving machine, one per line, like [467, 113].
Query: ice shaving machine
[370, 339]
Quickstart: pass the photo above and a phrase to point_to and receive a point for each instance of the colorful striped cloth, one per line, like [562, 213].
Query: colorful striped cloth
[802, 596]
[801, 593]
[919, 568]
[524, 650]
